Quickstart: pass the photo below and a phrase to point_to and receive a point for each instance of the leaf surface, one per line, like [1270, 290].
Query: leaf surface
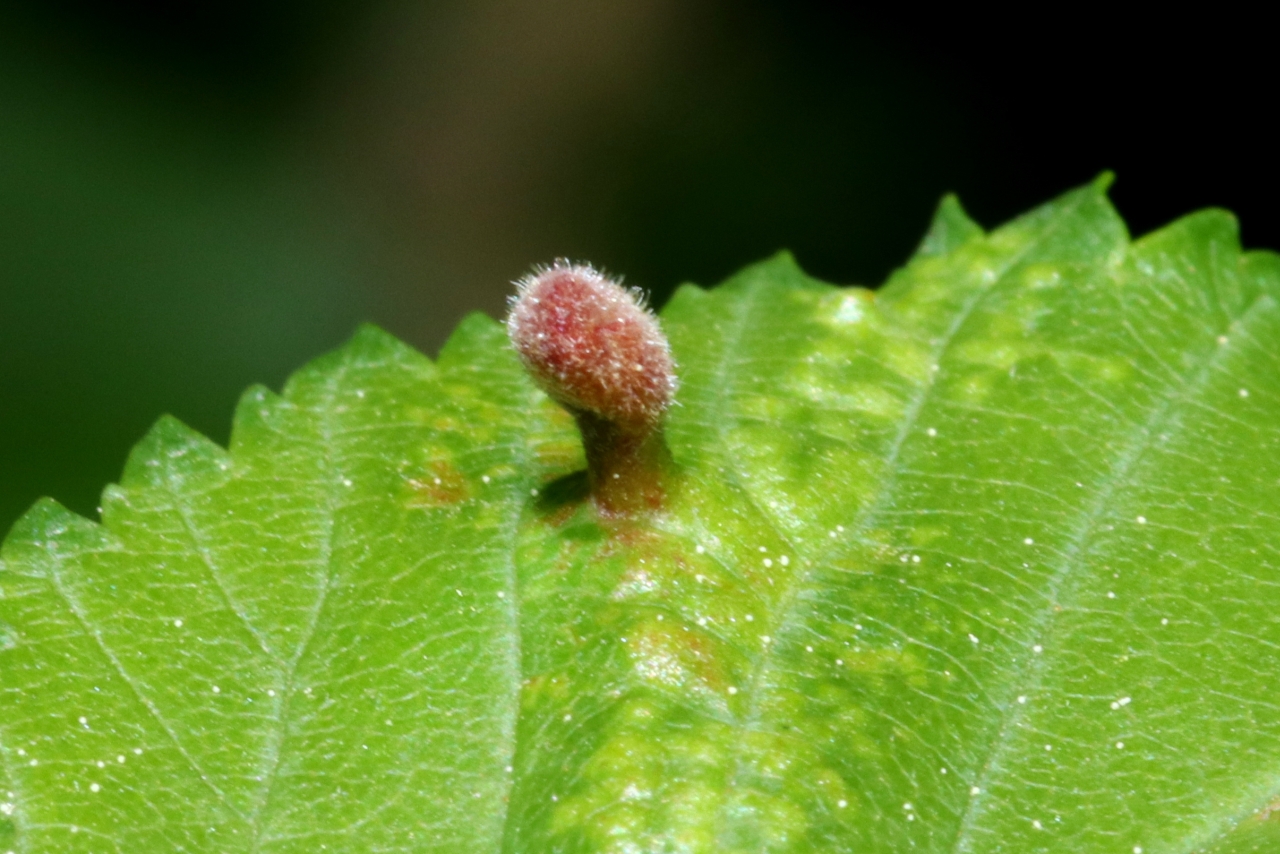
[983, 562]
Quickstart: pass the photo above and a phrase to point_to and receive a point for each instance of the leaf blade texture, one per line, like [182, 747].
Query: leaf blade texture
[982, 562]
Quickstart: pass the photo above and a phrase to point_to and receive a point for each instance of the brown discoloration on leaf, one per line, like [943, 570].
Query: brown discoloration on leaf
[1269, 813]
[668, 654]
[443, 486]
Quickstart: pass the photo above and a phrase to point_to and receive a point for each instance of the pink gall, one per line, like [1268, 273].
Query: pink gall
[591, 344]
[596, 350]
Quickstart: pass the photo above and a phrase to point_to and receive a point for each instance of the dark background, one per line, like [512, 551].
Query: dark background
[201, 196]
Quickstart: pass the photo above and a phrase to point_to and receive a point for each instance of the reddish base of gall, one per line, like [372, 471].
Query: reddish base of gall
[626, 468]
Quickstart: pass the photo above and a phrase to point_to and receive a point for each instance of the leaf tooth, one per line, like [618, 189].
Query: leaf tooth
[49, 527]
[369, 349]
[170, 448]
[478, 339]
[258, 409]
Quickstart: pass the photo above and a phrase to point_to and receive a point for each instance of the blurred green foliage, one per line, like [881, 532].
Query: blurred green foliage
[202, 196]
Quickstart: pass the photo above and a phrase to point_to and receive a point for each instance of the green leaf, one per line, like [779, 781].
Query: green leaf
[985, 561]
